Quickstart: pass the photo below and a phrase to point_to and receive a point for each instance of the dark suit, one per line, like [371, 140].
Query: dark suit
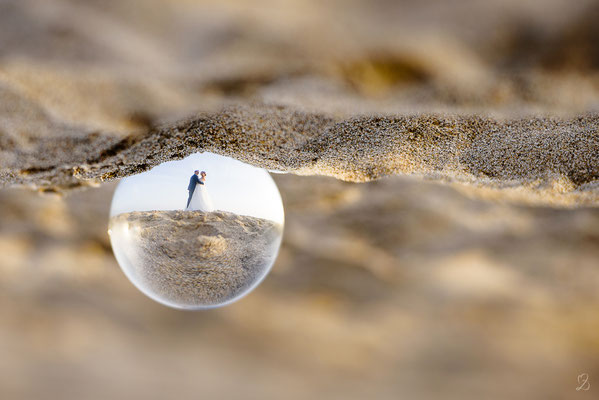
[192, 186]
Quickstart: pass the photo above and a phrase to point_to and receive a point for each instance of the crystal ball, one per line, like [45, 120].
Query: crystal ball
[197, 233]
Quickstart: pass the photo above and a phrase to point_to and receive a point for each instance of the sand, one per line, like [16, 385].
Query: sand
[393, 288]
[191, 259]
[378, 288]
[542, 156]
[96, 91]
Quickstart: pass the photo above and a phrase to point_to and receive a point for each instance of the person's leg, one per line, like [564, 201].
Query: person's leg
[189, 198]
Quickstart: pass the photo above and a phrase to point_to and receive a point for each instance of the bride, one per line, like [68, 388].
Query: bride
[200, 200]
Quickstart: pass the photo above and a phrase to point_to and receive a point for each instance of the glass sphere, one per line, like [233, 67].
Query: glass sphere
[197, 233]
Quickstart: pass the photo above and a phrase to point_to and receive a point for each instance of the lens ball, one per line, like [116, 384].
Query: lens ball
[197, 233]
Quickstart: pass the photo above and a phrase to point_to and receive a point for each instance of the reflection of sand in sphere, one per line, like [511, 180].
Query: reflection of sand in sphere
[191, 258]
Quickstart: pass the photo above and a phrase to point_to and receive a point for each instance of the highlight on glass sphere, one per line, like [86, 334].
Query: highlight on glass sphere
[197, 233]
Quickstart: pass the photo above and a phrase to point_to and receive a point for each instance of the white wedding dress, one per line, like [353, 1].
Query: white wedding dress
[200, 200]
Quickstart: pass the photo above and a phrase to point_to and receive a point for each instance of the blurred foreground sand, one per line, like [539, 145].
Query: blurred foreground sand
[388, 289]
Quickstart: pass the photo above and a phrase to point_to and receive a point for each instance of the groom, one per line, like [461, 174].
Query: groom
[192, 184]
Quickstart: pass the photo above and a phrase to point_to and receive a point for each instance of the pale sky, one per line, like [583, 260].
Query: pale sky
[233, 186]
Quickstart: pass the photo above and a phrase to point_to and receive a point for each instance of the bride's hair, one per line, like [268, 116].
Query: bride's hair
[203, 173]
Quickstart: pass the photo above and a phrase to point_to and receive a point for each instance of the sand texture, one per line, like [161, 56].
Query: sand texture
[94, 91]
[395, 287]
[192, 259]
[544, 155]
[379, 289]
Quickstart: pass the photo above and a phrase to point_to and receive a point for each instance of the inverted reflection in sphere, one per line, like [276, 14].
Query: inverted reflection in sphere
[197, 233]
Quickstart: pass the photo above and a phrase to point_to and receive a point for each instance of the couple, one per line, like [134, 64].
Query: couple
[199, 199]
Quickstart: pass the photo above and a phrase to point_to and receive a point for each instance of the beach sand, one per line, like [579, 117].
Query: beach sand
[379, 289]
[441, 233]
[191, 259]
[102, 91]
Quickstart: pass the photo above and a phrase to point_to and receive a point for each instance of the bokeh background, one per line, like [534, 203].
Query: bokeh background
[398, 288]
[389, 289]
